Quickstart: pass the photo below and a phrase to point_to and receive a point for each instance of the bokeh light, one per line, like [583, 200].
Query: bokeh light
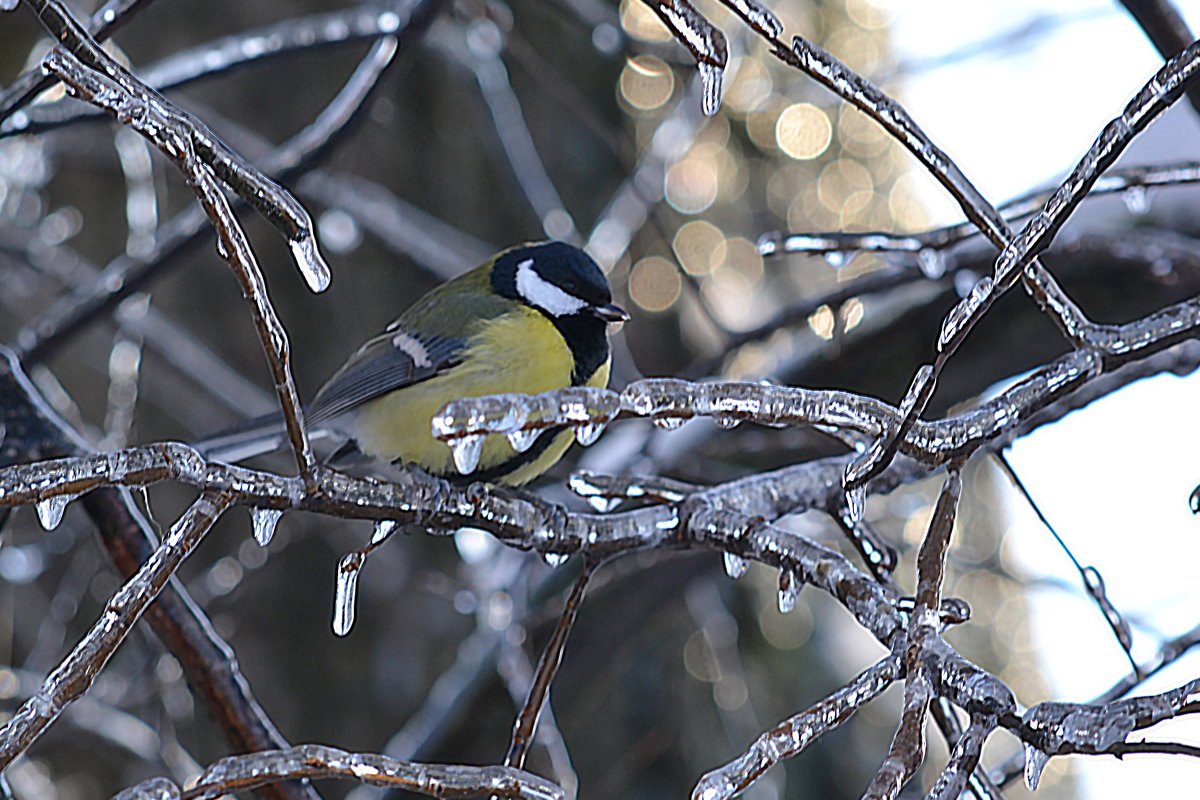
[654, 284]
[803, 131]
[699, 246]
[646, 82]
[690, 185]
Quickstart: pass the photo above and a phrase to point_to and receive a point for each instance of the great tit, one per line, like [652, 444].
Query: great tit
[530, 319]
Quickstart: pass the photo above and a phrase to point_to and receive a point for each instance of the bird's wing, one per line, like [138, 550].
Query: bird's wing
[392, 360]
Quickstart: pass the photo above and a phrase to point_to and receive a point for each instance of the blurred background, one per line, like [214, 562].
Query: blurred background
[579, 119]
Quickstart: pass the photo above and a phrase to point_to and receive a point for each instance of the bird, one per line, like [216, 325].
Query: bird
[532, 318]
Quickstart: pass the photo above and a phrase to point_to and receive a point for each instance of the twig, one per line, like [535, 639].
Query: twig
[539, 690]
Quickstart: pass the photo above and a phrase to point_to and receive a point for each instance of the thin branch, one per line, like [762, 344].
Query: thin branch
[316, 762]
[539, 689]
[76, 673]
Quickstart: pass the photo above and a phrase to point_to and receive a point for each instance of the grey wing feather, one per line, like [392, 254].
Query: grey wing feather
[381, 366]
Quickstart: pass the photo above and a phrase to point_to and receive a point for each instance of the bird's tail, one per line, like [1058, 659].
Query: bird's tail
[249, 438]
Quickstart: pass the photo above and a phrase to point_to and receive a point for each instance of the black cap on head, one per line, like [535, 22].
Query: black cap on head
[554, 277]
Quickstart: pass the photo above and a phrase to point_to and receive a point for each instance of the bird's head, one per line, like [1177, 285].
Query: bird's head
[557, 279]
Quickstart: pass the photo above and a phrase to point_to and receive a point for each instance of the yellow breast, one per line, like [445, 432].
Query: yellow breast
[519, 352]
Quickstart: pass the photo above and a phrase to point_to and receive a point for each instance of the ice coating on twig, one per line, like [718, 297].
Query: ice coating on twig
[795, 733]
[1116, 181]
[77, 672]
[706, 42]
[315, 761]
[759, 17]
[670, 401]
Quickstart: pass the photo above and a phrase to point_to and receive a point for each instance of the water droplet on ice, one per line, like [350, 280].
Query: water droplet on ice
[932, 262]
[668, 423]
[346, 595]
[735, 565]
[838, 258]
[1137, 200]
[1194, 500]
[312, 266]
[602, 504]
[555, 559]
[50, 510]
[264, 520]
[725, 421]
[383, 529]
[588, 432]
[1035, 761]
[789, 590]
[523, 440]
[466, 452]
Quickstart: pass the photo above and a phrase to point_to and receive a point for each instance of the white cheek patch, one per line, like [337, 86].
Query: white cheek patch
[539, 292]
[411, 346]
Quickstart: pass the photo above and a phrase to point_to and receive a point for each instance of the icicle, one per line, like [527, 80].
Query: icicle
[383, 529]
[711, 77]
[588, 432]
[1035, 762]
[523, 440]
[466, 450]
[856, 501]
[726, 421]
[50, 510]
[264, 520]
[308, 258]
[789, 590]
[735, 565]
[346, 594]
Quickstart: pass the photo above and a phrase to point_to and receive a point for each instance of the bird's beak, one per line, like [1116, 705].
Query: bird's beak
[610, 313]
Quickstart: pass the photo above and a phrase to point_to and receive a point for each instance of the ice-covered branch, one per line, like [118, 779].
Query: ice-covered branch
[76, 673]
[1134, 183]
[705, 41]
[1167, 29]
[669, 401]
[222, 55]
[1054, 728]
[93, 75]
[1159, 93]
[315, 762]
[794, 734]
[103, 23]
[128, 273]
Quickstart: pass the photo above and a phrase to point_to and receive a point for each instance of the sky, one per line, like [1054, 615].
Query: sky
[1115, 477]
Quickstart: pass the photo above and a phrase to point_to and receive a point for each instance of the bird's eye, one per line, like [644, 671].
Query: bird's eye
[569, 286]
